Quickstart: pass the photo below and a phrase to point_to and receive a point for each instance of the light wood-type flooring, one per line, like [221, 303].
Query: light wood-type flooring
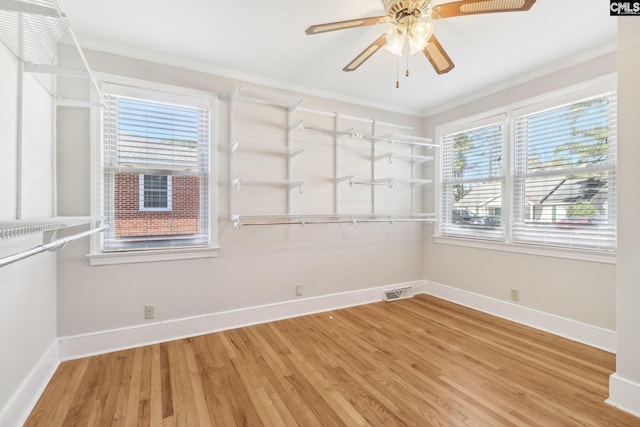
[417, 362]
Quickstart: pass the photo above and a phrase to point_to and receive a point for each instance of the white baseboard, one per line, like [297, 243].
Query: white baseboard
[73, 347]
[624, 394]
[19, 407]
[594, 336]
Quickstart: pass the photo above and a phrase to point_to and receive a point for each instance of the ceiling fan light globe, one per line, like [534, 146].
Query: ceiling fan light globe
[419, 35]
[396, 38]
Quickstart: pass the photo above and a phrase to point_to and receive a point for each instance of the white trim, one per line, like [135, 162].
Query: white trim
[532, 249]
[82, 345]
[509, 112]
[150, 90]
[624, 394]
[133, 257]
[76, 346]
[141, 193]
[532, 75]
[594, 336]
[169, 94]
[19, 407]
[200, 66]
[564, 95]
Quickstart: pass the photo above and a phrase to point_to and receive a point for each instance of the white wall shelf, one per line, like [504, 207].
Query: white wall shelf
[239, 182]
[244, 220]
[350, 133]
[33, 31]
[24, 227]
[391, 158]
[265, 149]
[395, 182]
[48, 228]
[344, 178]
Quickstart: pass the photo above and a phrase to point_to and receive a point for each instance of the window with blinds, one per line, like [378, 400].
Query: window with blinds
[472, 182]
[564, 175]
[156, 171]
[558, 187]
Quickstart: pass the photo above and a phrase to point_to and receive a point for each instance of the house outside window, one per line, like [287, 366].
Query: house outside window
[155, 193]
[156, 170]
[538, 175]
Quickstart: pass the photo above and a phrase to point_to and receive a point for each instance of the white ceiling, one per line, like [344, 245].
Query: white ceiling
[264, 41]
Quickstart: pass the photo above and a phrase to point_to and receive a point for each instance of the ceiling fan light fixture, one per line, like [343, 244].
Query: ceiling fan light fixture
[396, 38]
[412, 20]
[419, 34]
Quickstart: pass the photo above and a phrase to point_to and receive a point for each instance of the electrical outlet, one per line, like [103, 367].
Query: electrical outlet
[298, 290]
[515, 295]
[149, 311]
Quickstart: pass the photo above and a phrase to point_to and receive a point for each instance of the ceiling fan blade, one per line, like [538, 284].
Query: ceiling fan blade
[437, 56]
[473, 7]
[366, 54]
[342, 25]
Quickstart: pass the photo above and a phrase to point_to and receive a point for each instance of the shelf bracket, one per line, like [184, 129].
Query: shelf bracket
[48, 236]
[300, 185]
[299, 126]
[348, 178]
[296, 153]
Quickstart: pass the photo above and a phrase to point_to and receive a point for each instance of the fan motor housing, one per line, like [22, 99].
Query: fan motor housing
[398, 9]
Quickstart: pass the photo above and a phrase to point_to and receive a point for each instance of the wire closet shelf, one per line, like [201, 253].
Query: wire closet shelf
[48, 228]
[415, 152]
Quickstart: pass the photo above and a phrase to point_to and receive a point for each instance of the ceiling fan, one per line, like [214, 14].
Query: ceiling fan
[412, 22]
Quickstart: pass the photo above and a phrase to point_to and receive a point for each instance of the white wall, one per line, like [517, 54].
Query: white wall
[255, 266]
[8, 131]
[625, 383]
[27, 288]
[578, 290]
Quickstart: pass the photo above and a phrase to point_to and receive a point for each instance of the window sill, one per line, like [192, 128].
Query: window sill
[132, 257]
[574, 254]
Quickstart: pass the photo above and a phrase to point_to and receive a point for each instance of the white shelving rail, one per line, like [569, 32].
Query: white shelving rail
[291, 104]
[254, 96]
[33, 31]
[49, 228]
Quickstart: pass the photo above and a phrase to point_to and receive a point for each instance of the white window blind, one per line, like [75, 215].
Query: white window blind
[472, 182]
[156, 172]
[542, 174]
[564, 175]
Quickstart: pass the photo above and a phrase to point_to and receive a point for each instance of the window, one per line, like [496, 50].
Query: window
[155, 192]
[558, 187]
[156, 186]
[473, 177]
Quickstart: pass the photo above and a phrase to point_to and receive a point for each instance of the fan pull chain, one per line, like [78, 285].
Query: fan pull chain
[397, 72]
[407, 72]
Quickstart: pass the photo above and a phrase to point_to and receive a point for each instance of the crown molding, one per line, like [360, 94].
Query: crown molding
[215, 70]
[200, 66]
[550, 68]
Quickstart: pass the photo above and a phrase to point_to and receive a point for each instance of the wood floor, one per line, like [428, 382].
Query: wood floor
[417, 362]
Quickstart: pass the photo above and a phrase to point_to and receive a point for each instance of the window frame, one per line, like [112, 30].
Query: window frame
[571, 94]
[459, 127]
[162, 93]
[142, 195]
